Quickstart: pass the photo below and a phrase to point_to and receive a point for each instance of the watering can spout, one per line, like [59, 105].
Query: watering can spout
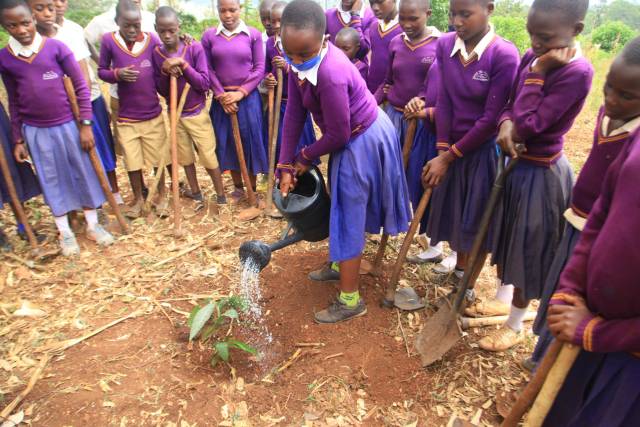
[259, 252]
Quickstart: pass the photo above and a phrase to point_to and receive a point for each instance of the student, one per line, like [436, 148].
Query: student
[354, 14]
[477, 68]
[236, 67]
[264, 10]
[45, 14]
[380, 32]
[55, 144]
[552, 84]
[126, 58]
[189, 64]
[348, 41]
[618, 119]
[275, 60]
[368, 188]
[597, 305]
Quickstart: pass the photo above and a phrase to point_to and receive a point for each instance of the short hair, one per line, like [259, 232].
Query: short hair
[304, 15]
[11, 4]
[350, 34]
[167, 12]
[573, 10]
[265, 5]
[631, 52]
[280, 4]
[422, 4]
[126, 6]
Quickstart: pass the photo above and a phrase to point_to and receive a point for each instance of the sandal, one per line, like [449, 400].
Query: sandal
[501, 339]
[488, 308]
[237, 195]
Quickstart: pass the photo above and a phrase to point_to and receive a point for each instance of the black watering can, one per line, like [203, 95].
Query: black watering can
[306, 208]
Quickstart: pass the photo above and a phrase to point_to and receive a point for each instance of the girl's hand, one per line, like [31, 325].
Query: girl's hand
[187, 38]
[564, 319]
[230, 108]
[287, 183]
[436, 169]
[553, 59]
[386, 88]
[21, 153]
[173, 66]
[279, 62]
[86, 138]
[420, 114]
[270, 81]
[505, 139]
[301, 169]
[128, 74]
[234, 97]
[356, 6]
[415, 109]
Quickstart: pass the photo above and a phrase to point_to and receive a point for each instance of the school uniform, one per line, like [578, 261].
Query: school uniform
[308, 136]
[368, 187]
[606, 147]
[194, 126]
[362, 67]
[72, 35]
[474, 91]
[236, 63]
[530, 218]
[22, 175]
[380, 35]
[66, 176]
[140, 129]
[603, 386]
[338, 19]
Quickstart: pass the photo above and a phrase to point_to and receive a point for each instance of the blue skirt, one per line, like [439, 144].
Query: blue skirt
[22, 175]
[64, 170]
[530, 222]
[601, 390]
[251, 132]
[102, 134]
[458, 203]
[368, 190]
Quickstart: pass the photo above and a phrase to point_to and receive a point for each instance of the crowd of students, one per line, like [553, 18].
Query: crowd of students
[362, 75]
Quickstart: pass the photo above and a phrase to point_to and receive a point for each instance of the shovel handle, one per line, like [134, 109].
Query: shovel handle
[412, 125]
[251, 195]
[274, 122]
[173, 129]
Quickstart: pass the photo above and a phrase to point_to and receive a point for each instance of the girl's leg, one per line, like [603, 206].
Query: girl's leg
[95, 231]
[192, 179]
[510, 334]
[68, 242]
[216, 178]
[349, 304]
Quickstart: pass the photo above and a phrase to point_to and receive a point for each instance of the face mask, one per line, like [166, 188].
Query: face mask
[306, 65]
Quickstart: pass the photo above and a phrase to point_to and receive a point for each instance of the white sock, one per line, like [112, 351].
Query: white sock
[515, 318]
[91, 217]
[62, 223]
[504, 294]
[118, 198]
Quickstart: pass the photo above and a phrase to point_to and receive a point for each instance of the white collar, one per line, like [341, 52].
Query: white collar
[26, 51]
[480, 48]
[576, 55]
[137, 46]
[241, 28]
[311, 75]
[629, 126]
[433, 32]
[346, 15]
[384, 26]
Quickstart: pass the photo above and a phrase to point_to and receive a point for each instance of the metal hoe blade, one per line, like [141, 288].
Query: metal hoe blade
[439, 334]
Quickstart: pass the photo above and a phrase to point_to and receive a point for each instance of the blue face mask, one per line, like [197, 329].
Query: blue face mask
[306, 65]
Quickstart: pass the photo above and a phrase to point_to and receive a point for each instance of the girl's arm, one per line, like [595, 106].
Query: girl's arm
[430, 92]
[198, 74]
[444, 110]
[105, 72]
[16, 122]
[207, 45]
[295, 116]
[500, 82]
[257, 71]
[380, 94]
[72, 69]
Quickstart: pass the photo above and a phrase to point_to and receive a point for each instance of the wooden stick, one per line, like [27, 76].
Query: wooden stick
[96, 162]
[173, 124]
[532, 389]
[478, 322]
[6, 412]
[412, 125]
[15, 201]
[557, 374]
[274, 140]
[251, 195]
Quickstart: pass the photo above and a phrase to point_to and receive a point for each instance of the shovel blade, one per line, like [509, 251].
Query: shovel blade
[439, 334]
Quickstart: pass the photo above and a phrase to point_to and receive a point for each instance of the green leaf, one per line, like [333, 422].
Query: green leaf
[222, 350]
[214, 360]
[231, 313]
[242, 346]
[207, 332]
[192, 315]
[200, 319]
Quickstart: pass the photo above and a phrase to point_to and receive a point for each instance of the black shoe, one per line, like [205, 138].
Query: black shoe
[339, 312]
[325, 274]
[5, 246]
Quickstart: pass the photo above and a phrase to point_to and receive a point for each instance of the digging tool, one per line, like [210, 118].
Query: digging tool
[96, 162]
[389, 298]
[173, 124]
[273, 140]
[441, 331]
[479, 322]
[251, 195]
[15, 201]
[406, 151]
[552, 384]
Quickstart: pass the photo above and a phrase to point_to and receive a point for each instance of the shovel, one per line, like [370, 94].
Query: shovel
[441, 332]
[251, 195]
[274, 121]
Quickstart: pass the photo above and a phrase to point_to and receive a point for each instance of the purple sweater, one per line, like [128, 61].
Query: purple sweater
[362, 67]
[605, 264]
[360, 24]
[138, 100]
[272, 52]
[379, 44]
[604, 151]
[473, 94]
[236, 62]
[407, 70]
[196, 73]
[36, 88]
[429, 92]
[340, 103]
[543, 108]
